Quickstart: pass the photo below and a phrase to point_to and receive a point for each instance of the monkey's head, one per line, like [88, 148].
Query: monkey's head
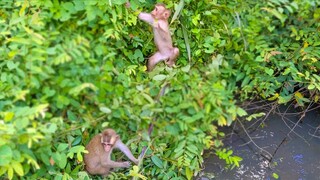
[108, 139]
[160, 12]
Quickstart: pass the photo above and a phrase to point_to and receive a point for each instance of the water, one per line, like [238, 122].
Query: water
[296, 157]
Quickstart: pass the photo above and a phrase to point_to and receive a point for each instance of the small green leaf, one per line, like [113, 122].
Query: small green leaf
[77, 141]
[157, 161]
[186, 68]
[63, 161]
[105, 110]
[311, 86]
[62, 147]
[76, 90]
[10, 172]
[269, 71]
[159, 77]
[117, 2]
[189, 173]
[71, 116]
[275, 175]
[241, 112]
[52, 128]
[8, 116]
[11, 65]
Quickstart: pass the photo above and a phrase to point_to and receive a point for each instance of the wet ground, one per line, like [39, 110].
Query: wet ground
[294, 157]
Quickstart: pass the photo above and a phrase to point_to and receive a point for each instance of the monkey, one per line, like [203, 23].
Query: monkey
[158, 19]
[98, 160]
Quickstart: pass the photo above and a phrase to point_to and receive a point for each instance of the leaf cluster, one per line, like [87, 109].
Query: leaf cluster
[71, 68]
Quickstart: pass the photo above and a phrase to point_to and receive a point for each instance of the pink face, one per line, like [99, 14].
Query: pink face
[107, 146]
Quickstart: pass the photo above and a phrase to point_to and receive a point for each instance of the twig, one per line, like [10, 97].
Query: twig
[274, 105]
[251, 140]
[301, 117]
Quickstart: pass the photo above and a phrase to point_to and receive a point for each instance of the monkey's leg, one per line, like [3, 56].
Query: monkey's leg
[155, 59]
[172, 59]
[100, 170]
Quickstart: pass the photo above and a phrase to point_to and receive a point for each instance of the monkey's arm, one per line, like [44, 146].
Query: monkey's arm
[126, 151]
[163, 26]
[163, 29]
[147, 17]
[114, 164]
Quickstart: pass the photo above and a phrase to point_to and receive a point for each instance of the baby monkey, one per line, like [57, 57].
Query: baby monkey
[158, 19]
[98, 160]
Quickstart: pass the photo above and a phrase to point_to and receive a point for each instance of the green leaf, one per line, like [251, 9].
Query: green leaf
[284, 99]
[241, 112]
[11, 65]
[280, 16]
[118, 2]
[159, 77]
[245, 81]
[186, 68]
[10, 172]
[5, 155]
[255, 116]
[62, 147]
[71, 116]
[8, 116]
[63, 161]
[68, 6]
[77, 141]
[311, 86]
[275, 175]
[76, 90]
[157, 161]
[52, 128]
[17, 168]
[177, 10]
[189, 173]
[105, 110]
[269, 71]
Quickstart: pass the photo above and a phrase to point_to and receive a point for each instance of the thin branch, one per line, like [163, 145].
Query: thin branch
[251, 140]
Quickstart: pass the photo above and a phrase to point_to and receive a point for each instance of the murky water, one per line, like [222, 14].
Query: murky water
[296, 157]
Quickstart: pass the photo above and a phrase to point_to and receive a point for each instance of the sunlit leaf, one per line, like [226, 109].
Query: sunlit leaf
[17, 168]
[241, 112]
[275, 175]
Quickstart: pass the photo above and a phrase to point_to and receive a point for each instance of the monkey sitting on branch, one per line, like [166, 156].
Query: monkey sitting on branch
[158, 19]
[98, 160]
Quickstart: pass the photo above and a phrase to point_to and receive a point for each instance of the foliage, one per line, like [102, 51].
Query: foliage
[70, 68]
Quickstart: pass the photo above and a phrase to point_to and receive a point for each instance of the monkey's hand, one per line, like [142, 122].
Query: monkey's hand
[126, 164]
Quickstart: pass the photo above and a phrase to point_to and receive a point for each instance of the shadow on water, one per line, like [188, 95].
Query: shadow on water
[295, 156]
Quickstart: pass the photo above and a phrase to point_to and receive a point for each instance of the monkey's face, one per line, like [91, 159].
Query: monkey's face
[108, 142]
[108, 139]
[160, 12]
[107, 146]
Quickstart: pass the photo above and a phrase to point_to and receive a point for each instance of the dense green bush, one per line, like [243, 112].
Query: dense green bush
[70, 68]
